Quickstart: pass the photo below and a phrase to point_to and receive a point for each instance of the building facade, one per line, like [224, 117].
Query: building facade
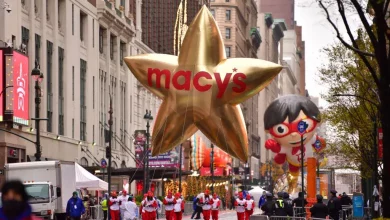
[237, 21]
[80, 46]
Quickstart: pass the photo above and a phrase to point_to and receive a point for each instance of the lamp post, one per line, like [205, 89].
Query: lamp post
[148, 117]
[212, 167]
[180, 166]
[38, 77]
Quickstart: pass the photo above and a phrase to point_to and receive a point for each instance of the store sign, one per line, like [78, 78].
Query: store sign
[168, 159]
[205, 171]
[1, 85]
[380, 143]
[20, 89]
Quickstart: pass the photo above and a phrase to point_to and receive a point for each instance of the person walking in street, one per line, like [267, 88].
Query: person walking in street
[104, 204]
[319, 210]
[262, 199]
[169, 202]
[149, 206]
[334, 205]
[14, 200]
[178, 207]
[288, 204]
[249, 206]
[130, 212]
[114, 206]
[196, 207]
[240, 204]
[205, 202]
[269, 206]
[215, 204]
[75, 207]
[142, 211]
[299, 205]
[280, 206]
[346, 202]
[122, 201]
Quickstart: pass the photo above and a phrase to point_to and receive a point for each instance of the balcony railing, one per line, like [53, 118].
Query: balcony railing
[118, 12]
[108, 4]
[128, 21]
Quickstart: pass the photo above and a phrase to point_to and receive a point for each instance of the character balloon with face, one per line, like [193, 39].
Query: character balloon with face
[281, 120]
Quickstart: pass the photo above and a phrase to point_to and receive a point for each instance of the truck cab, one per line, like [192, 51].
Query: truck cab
[41, 198]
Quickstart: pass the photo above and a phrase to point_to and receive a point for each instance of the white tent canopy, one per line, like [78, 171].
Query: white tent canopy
[256, 192]
[85, 180]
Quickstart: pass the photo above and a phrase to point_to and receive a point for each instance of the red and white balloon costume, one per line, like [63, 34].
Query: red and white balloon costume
[169, 203]
[205, 201]
[250, 206]
[240, 204]
[178, 207]
[215, 204]
[149, 207]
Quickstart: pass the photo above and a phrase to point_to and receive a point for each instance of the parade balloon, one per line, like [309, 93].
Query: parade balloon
[201, 89]
[282, 119]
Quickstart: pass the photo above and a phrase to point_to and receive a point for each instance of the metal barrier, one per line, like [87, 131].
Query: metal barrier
[286, 218]
[346, 212]
[300, 212]
[259, 217]
[95, 212]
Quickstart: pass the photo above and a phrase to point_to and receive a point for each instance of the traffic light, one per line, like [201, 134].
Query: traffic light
[108, 152]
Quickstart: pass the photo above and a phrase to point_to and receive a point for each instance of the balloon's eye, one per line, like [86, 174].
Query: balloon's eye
[280, 129]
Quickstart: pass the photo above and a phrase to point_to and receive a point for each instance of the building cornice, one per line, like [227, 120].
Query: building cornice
[290, 73]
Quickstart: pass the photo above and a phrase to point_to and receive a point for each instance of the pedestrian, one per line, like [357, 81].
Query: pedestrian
[269, 206]
[149, 206]
[334, 205]
[240, 206]
[75, 207]
[299, 205]
[280, 207]
[169, 202]
[262, 199]
[232, 201]
[114, 206]
[249, 206]
[158, 206]
[104, 205]
[198, 203]
[178, 207]
[205, 202]
[288, 204]
[123, 198]
[130, 212]
[142, 211]
[346, 203]
[14, 200]
[319, 210]
[194, 206]
[215, 204]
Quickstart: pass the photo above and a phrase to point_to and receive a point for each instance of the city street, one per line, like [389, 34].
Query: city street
[226, 215]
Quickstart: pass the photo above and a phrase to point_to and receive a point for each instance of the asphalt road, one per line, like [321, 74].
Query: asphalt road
[226, 215]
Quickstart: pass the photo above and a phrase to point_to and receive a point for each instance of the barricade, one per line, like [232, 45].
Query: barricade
[286, 218]
[95, 212]
[300, 212]
[346, 212]
[259, 217]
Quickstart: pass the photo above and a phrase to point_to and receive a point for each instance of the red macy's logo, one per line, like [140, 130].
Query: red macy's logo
[222, 84]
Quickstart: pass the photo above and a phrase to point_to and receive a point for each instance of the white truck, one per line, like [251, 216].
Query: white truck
[49, 185]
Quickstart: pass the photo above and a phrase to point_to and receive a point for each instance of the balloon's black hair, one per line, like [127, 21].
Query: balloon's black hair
[289, 106]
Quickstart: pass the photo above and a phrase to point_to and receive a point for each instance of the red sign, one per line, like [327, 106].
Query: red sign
[222, 84]
[21, 92]
[205, 171]
[1, 85]
[380, 144]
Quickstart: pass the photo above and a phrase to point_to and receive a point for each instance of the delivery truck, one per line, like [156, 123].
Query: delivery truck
[49, 185]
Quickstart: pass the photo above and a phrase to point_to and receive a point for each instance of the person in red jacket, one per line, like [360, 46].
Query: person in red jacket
[178, 207]
[250, 206]
[149, 207]
[215, 204]
[240, 204]
[205, 201]
[169, 203]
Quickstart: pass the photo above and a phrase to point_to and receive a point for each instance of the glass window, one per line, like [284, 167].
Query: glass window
[228, 51]
[213, 12]
[37, 193]
[49, 77]
[83, 108]
[60, 91]
[228, 15]
[227, 33]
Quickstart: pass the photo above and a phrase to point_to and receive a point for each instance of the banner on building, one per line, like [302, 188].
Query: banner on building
[169, 159]
[20, 89]
[380, 143]
[205, 171]
[1, 85]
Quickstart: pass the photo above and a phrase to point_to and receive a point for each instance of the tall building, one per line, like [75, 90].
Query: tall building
[281, 9]
[237, 21]
[80, 46]
[159, 19]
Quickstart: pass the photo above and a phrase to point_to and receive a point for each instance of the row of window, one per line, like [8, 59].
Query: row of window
[113, 40]
[228, 14]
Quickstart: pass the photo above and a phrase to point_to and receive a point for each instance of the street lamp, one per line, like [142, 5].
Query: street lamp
[38, 77]
[148, 117]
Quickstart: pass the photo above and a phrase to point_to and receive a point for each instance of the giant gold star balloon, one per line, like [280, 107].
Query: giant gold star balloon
[201, 89]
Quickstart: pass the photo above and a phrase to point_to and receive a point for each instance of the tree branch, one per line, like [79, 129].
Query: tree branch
[363, 53]
[363, 18]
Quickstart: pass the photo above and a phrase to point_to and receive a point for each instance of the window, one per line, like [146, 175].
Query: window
[227, 0]
[72, 83]
[72, 19]
[101, 40]
[213, 12]
[83, 108]
[123, 3]
[228, 15]
[112, 44]
[49, 77]
[73, 128]
[93, 92]
[60, 91]
[93, 133]
[93, 33]
[227, 33]
[83, 25]
[38, 48]
[228, 51]
[25, 39]
[122, 51]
